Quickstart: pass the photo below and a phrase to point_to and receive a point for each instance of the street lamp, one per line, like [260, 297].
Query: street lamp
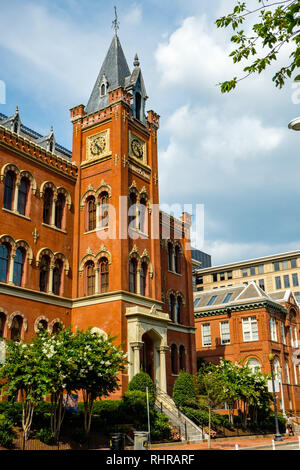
[278, 435]
[279, 371]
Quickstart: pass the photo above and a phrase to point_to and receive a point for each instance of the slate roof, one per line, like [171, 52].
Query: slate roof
[115, 69]
[241, 294]
[34, 136]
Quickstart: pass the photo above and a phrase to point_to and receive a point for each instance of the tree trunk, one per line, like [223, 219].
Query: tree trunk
[209, 425]
[27, 414]
[57, 413]
[88, 410]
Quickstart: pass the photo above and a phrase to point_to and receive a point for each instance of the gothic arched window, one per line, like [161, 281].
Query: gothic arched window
[104, 275]
[178, 309]
[174, 359]
[91, 214]
[18, 267]
[57, 277]
[177, 260]
[172, 306]
[182, 364]
[9, 187]
[2, 324]
[16, 328]
[4, 261]
[143, 215]
[170, 256]
[23, 195]
[47, 209]
[143, 278]
[132, 210]
[44, 273]
[104, 201]
[133, 275]
[59, 210]
[90, 278]
[138, 106]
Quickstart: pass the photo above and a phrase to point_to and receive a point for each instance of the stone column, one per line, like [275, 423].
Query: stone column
[50, 280]
[52, 221]
[163, 375]
[16, 197]
[11, 268]
[137, 346]
[97, 280]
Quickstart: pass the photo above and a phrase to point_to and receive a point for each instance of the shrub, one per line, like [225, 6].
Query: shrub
[6, 432]
[135, 407]
[46, 435]
[140, 382]
[160, 428]
[184, 390]
[12, 410]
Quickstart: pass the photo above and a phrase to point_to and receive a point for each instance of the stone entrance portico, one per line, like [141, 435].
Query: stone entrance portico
[147, 328]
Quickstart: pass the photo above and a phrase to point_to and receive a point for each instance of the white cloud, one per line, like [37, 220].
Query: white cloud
[134, 15]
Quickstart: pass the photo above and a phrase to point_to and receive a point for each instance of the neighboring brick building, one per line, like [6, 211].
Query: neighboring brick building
[243, 323]
[65, 254]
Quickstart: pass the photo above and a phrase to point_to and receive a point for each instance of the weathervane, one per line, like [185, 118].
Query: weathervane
[115, 23]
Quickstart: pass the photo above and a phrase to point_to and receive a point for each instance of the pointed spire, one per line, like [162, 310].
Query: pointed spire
[136, 62]
[115, 23]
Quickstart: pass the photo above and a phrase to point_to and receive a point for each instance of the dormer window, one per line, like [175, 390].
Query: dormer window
[103, 90]
[138, 106]
[103, 86]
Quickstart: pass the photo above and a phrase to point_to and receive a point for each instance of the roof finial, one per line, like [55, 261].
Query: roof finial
[136, 62]
[115, 23]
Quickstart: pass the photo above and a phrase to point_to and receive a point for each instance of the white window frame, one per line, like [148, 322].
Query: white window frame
[287, 373]
[292, 336]
[225, 335]
[248, 324]
[273, 329]
[205, 343]
[295, 337]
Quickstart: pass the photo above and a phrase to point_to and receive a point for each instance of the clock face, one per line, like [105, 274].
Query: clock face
[98, 146]
[137, 148]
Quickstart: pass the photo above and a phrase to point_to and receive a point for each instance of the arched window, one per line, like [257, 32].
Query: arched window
[57, 277]
[16, 328]
[254, 365]
[16, 126]
[104, 275]
[174, 359]
[56, 328]
[43, 325]
[104, 201]
[4, 260]
[177, 259]
[103, 90]
[133, 275]
[143, 278]
[23, 195]
[143, 215]
[9, 187]
[172, 306]
[91, 214]
[90, 278]
[132, 210]
[18, 266]
[178, 310]
[59, 210]
[138, 106]
[170, 257]
[2, 324]
[47, 209]
[44, 273]
[182, 362]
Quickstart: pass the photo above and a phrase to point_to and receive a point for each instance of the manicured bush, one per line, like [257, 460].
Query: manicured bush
[6, 432]
[140, 382]
[46, 435]
[184, 390]
[12, 410]
[161, 429]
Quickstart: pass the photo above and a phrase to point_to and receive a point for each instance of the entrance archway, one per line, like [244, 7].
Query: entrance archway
[147, 355]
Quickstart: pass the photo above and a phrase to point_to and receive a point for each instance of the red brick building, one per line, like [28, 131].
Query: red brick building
[243, 323]
[82, 240]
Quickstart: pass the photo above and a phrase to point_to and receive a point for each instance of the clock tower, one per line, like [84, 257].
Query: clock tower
[118, 285]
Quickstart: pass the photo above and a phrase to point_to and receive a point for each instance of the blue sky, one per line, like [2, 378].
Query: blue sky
[233, 153]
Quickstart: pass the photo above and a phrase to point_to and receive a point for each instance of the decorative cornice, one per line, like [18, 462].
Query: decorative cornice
[31, 150]
[240, 307]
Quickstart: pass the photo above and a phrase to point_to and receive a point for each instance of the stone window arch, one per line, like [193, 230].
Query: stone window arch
[41, 323]
[90, 278]
[55, 326]
[17, 324]
[3, 323]
[104, 275]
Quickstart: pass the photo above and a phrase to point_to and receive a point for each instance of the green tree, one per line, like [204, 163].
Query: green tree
[98, 363]
[214, 392]
[184, 390]
[24, 373]
[277, 25]
[57, 352]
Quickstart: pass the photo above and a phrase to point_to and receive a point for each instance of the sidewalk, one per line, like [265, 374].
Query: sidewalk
[226, 443]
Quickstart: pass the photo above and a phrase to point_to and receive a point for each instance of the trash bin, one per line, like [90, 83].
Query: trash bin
[140, 440]
[117, 441]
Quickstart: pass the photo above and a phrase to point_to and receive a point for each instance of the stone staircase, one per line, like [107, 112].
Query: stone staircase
[188, 430]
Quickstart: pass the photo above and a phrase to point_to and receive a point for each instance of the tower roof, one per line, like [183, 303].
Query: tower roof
[113, 73]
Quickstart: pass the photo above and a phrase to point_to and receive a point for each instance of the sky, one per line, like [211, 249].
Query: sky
[231, 155]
